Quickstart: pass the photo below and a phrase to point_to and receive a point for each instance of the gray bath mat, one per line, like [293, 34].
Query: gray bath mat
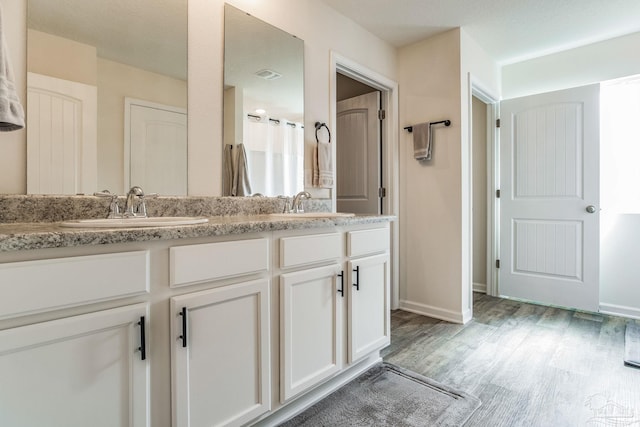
[387, 395]
[632, 345]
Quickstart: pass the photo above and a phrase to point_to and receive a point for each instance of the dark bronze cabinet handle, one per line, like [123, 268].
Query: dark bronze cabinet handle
[143, 345]
[357, 284]
[183, 337]
[341, 290]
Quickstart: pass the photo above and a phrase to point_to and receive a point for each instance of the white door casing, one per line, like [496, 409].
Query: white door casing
[358, 154]
[549, 172]
[62, 137]
[155, 147]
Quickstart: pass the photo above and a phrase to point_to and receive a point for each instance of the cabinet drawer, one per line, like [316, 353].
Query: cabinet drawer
[211, 261]
[36, 286]
[365, 242]
[302, 250]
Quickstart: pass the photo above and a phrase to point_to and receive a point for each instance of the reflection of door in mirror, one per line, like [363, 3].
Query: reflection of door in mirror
[155, 147]
[135, 49]
[61, 142]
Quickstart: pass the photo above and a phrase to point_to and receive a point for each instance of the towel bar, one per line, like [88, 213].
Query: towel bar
[445, 122]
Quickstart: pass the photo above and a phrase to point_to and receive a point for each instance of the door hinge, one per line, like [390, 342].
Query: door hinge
[497, 263]
[382, 115]
[497, 123]
[498, 193]
[382, 192]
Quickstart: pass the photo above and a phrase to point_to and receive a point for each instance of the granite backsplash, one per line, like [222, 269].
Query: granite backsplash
[45, 208]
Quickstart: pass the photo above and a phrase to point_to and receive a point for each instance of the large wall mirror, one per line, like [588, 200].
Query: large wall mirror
[107, 96]
[263, 108]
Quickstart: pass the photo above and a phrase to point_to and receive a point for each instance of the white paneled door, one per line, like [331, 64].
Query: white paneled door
[358, 154]
[62, 138]
[155, 143]
[549, 205]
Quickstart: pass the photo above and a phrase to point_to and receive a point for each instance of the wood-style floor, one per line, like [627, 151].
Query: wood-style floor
[530, 365]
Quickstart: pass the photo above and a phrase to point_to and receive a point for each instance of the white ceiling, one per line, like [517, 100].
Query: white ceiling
[508, 30]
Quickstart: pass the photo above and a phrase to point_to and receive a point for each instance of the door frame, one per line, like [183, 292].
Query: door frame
[480, 91]
[390, 128]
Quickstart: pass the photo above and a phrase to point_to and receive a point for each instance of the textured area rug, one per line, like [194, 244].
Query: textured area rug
[387, 395]
[632, 345]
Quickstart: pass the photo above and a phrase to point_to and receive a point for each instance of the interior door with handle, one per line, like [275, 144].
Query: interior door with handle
[549, 216]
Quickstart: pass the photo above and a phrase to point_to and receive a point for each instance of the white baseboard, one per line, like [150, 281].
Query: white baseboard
[435, 312]
[480, 287]
[620, 310]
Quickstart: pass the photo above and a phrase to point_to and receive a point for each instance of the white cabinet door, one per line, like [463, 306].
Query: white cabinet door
[369, 316]
[220, 356]
[78, 371]
[310, 329]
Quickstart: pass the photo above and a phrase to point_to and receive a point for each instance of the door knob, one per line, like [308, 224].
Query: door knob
[591, 209]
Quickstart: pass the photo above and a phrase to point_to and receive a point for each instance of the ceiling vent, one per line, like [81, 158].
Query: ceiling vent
[268, 74]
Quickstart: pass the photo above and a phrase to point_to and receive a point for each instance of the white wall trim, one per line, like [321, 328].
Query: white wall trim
[435, 312]
[620, 310]
[480, 287]
[480, 91]
[390, 127]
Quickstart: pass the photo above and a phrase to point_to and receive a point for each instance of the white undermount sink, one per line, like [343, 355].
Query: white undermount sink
[302, 215]
[159, 221]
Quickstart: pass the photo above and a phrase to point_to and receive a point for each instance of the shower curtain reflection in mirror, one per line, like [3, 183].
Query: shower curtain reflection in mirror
[275, 155]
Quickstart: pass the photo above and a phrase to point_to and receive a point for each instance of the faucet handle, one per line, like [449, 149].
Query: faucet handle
[104, 193]
[114, 209]
[287, 204]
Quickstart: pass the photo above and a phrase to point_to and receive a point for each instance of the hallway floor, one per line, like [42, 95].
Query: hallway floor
[530, 365]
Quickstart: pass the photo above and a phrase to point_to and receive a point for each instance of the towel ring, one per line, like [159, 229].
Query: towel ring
[320, 126]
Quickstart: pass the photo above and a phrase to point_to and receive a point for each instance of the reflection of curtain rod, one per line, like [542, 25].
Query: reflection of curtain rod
[276, 121]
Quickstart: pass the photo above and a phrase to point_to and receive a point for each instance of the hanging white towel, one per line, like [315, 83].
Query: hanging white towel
[241, 184]
[422, 141]
[11, 111]
[322, 165]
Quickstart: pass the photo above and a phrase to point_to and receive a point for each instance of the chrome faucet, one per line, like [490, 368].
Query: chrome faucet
[296, 204]
[135, 204]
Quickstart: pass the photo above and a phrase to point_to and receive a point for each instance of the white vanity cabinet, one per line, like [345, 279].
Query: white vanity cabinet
[85, 370]
[311, 311]
[311, 329]
[75, 370]
[228, 330]
[369, 325]
[334, 289]
[220, 337]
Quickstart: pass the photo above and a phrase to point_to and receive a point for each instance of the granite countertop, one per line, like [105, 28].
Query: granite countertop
[19, 236]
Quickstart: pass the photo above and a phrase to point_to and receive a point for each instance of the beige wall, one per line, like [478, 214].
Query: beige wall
[479, 167]
[435, 219]
[73, 61]
[430, 192]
